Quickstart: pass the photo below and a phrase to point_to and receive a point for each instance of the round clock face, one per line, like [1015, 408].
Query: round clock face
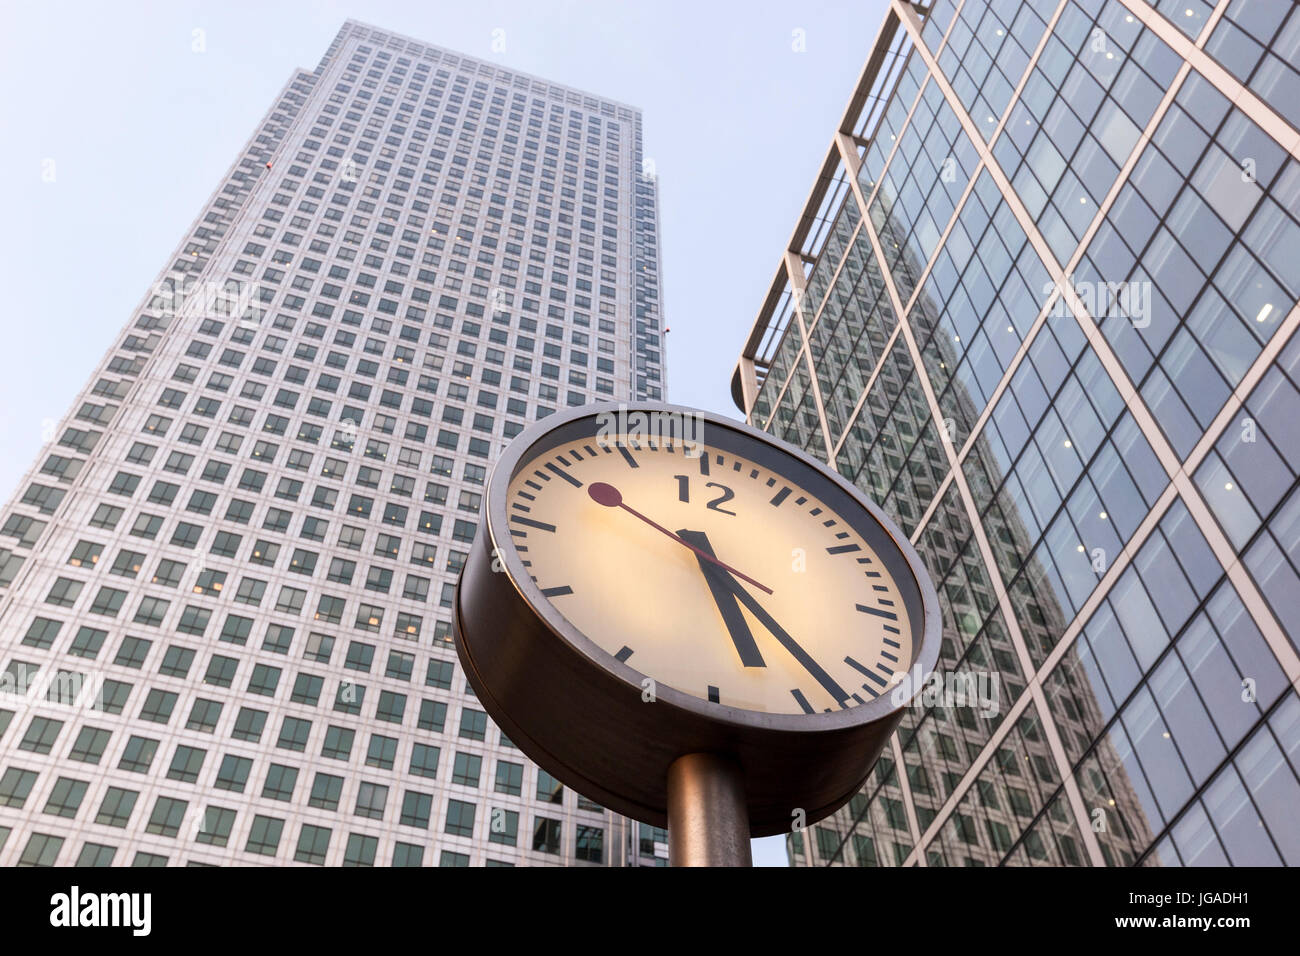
[739, 574]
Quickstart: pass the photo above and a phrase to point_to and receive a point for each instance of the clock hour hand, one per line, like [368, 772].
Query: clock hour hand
[837, 692]
[725, 599]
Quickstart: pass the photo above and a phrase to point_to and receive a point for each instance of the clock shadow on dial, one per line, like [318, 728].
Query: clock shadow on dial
[832, 633]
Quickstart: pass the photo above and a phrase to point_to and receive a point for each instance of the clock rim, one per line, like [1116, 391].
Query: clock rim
[877, 709]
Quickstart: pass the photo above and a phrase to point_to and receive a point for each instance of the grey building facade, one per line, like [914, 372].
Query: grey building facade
[226, 582]
[1041, 306]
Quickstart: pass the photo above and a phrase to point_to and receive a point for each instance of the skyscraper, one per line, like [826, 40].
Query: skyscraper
[1041, 306]
[226, 582]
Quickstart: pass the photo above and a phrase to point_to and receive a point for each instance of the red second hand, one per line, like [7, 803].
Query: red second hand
[611, 497]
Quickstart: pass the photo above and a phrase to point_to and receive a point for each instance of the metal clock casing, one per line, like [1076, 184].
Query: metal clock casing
[581, 713]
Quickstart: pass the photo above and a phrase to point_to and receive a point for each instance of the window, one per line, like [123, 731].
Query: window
[325, 792]
[216, 825]
[424, 760]
[15, 785]
[503, 826]
[473, 724]
[116, 807]
[41, 734]
[264, 835]
[166, 817]
[158, 706]
[107, 602]
[371, 799]
[138, 755]
[204, 715]
[546, 835]
[264, 681]
[391, 707]
[294, 733]
[249, 724]
[313, 844]
[417, 806]
[510, 778]
[408, 854]
[433, 715]
[338, 743]
[319, 647]
[590, 844]
[186, 764]
[41, 850]
[439, 674]
[549, 790]
[280, 782]
[221, 671]
[89, 745]
[96, 855]
[381, 752]
[176, 661]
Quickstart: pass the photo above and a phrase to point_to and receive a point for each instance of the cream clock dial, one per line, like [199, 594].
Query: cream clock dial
[696, 595]
[714, 573]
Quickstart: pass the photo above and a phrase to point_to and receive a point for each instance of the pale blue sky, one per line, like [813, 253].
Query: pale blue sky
[139, 127]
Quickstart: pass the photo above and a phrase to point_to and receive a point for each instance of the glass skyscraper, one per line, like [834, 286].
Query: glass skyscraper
[1041, 306]
[226, 582]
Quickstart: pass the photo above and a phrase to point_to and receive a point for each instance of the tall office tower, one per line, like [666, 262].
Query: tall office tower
[1041, 307]
[228, 578]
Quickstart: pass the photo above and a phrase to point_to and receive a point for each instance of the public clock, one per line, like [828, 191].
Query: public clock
[653, 581]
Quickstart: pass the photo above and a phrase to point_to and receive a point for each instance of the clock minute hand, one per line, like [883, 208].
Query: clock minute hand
[837, 692]
[611, 497]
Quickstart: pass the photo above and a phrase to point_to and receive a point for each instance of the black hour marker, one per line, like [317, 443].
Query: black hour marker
[843, 549]
[802, 701]
[704, 463]
[780, 496]
[557, 591]
[623, 655]
[551, 466]
[627, 456]
[860, 668]
[889, 615]
[543, 526]
[713, 694]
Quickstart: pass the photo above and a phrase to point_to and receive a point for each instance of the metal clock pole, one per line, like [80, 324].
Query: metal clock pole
[708, 822]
